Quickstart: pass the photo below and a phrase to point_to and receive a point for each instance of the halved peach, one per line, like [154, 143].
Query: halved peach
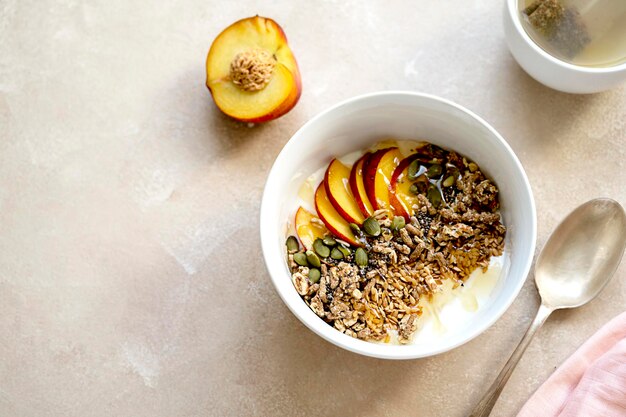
[377, 176]
[336, 181]
[358, 187]
[251, 72]
[401, 199]
[331, 218]
[308, 229]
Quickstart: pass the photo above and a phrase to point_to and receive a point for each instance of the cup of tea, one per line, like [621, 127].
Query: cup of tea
[574, 46]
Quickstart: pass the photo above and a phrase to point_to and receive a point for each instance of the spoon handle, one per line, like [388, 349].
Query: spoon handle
[484, 407]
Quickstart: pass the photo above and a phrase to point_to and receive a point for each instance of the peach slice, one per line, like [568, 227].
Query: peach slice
[332, 219]
[336, 181]
[358, 187]
[401, 199]
[308, 229]
[251, 72]
[377, 176]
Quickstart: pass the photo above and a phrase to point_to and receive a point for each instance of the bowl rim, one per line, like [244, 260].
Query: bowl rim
[330, 334]
[513, 13]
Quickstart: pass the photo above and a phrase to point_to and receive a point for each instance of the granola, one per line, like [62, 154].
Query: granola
[444, 238]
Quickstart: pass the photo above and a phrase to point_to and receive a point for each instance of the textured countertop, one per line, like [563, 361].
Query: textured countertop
[131, 278]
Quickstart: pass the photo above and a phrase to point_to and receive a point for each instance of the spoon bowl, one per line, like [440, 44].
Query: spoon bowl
[581, 255]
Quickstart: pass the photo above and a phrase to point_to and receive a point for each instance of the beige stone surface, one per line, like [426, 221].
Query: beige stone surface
[131, 278]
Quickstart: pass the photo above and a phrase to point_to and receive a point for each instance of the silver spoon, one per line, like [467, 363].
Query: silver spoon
[577, 261]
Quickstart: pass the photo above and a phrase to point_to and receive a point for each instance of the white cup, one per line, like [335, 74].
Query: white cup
[551, 71]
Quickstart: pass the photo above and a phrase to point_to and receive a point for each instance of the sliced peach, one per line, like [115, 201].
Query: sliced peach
[377, 176]
[251, 72]
[401, 199]
[358, 187]
[369, 175]
[308, 229]
[336, 181]
[331, 218]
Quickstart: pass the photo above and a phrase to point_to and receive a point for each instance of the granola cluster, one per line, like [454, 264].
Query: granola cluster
[408, 264]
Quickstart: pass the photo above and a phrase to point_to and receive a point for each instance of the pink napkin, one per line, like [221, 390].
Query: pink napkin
[591, 383]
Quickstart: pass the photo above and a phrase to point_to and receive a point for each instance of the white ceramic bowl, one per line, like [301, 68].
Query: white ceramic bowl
[551, 71]
[357, 124]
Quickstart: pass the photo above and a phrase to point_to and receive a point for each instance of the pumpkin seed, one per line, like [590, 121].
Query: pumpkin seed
[472, 167]
[336, 253]
[414, 168]
[346, 252]
[448, 182]
[292, 244]
[434, 171]
[397, 223]
[329, 240]
[314, 275]
[321, 249]
[313, 259]
[420, 185]
[360, 257]
[355, 228]
[434, 196]
[300, 259]
[371, 227]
